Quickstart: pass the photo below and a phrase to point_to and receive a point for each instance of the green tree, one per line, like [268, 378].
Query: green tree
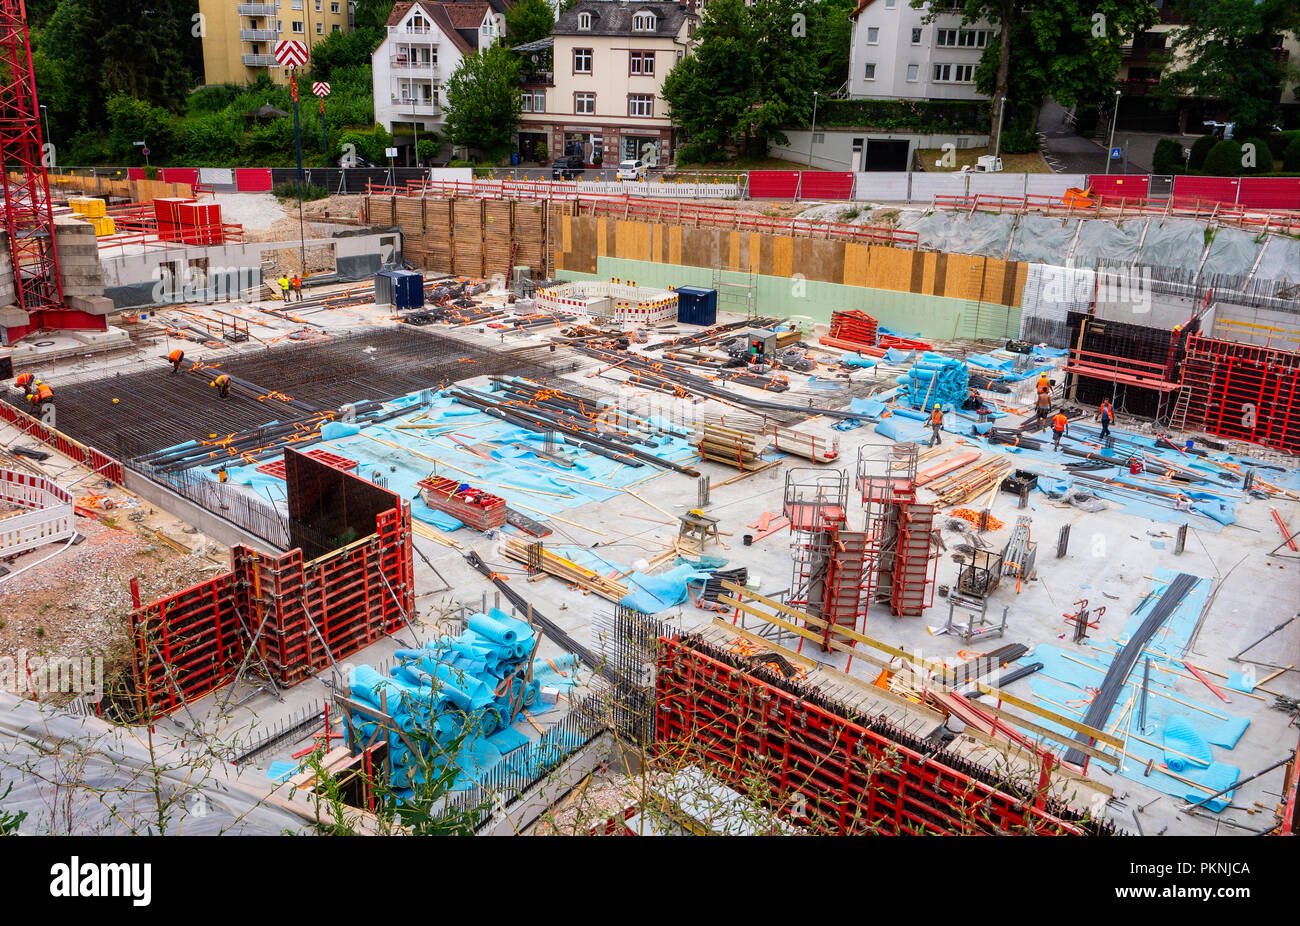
[1201, 149]
[529, 21]
[1168, 157]
[372, 14]
[426, 149]
[748, 77]
[131, 120]
[1068, 49]
[1224, 159]
[1291, 157]
[1227, 51]
[1263, 157]
[483, 102]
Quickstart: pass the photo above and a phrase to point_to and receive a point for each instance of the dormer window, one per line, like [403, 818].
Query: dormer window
[584, 22]
[643, 22]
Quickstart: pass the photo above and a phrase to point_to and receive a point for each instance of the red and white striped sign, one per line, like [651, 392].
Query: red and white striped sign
[321, 89]
[290, 54]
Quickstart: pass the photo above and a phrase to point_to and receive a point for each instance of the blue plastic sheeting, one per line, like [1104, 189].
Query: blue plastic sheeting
[894, 355]
[937, 380]
[867, 408]
[559, 673]
[652, 594]
[1183, 740]
[461, 688]
[332, 430]
[1042, 350]
[913, 413]
[847, 424]
[263, 484]
[1239, 682]
[856, 360]
[439, 519]
[898, 428]
[282, 770]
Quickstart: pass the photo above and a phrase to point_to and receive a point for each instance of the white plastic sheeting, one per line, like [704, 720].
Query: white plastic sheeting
[881, 186]
[1042, 238]
[1232, 251]
[1281, 260]
[81, 776]
[1051, 293]
[983, 233]
[1100, 240]
[1177, 243]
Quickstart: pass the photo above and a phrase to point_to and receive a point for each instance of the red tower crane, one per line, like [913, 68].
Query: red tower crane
[28, 215]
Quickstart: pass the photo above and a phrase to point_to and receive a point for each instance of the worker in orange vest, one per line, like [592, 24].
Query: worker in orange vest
[296, 283]
[1105, 414]
[175, 358]
[222, 383]
[1060, 427]
[40, 396]
[24, 381]
[936, 422]
[1044, 384]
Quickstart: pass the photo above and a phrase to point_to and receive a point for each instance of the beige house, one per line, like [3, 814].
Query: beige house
[603, 95]
[239, 38]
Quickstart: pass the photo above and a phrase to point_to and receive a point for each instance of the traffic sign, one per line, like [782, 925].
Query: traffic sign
[290, 54]
[320, 88]
[1116, 153]
[145, 152]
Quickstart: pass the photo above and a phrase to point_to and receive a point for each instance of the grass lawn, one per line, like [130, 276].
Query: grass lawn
[1011, 163]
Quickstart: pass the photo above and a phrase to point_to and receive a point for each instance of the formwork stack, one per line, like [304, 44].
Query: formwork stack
[900, 530]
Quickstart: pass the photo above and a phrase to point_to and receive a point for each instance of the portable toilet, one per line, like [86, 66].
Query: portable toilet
[697, 305]
[402, 289]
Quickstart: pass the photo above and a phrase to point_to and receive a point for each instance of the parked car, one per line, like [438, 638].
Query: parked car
[567, 168]
[632, 170]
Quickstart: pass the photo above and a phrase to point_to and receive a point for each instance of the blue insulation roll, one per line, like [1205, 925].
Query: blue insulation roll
[492, 629]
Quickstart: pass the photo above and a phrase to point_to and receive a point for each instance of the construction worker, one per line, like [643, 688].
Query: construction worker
[936, 422]
[296, 283]
[40, 396]
[222, 383]
[1060, 427]
[176, 358]
[1042, 407]
[1044, 384]
[284, 285]
[24, 381]
[1105, 414]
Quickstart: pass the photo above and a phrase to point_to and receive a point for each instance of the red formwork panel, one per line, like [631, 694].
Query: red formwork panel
[188, 175]
[825, 184]
[1243, 391]
[1206, 189]
[185, 645]
[101, 463]
[276, 467]
[135, 173]
[306, 616]
[1120, 186]
[773, 184]
[789, 747]
[1291, 800]
[253, 179]
[1270, 192]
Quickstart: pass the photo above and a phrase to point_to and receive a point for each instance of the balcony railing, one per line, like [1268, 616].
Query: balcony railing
[422, 107]
[258, 35]
[260, 61]
[256, 9]
[410, 30]
[413, 64]
[537, 77]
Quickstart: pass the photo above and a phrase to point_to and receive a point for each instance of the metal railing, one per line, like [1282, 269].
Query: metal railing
[258, 35]
[255, 9]
[259, 61]
[407, 63]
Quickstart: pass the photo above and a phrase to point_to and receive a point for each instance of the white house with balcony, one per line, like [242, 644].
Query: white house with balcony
[895, 54]
[424, 45]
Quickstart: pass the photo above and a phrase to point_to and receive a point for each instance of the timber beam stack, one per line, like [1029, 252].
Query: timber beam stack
[555, 565]
[732, 446]
[970, 481]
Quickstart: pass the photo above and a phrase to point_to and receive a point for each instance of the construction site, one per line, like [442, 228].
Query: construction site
[535, 511]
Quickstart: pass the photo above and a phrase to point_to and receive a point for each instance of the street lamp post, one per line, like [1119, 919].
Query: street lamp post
[1110, 148]
[997, 146]
[812, 136]
[145, 151]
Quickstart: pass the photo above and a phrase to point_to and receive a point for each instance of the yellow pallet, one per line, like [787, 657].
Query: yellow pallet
[103, 226]
[88, 206]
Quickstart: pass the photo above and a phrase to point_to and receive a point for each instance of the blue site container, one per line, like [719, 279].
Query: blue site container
[402, 289]
[697, 305]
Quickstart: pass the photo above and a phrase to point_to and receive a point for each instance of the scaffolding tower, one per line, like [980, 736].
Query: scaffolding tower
[737, 295]
[827, 575]
[899, 547]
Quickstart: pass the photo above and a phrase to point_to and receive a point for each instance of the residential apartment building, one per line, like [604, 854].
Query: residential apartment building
[423, 48]
[897, 55]
[239, 38]
[604, 94]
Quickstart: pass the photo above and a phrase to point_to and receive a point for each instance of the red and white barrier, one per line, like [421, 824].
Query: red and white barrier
[47, 520]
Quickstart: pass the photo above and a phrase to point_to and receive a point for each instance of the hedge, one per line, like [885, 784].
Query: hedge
[947, 116]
